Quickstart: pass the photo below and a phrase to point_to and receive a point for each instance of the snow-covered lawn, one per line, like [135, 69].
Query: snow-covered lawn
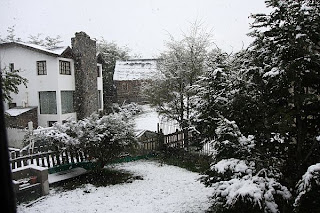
[147, 120]
[163, 189]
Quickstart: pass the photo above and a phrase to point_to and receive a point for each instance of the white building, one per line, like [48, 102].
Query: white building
[51, 79]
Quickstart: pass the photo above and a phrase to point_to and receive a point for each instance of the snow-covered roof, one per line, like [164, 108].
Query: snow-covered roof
[18, 111]
[137, 69]
[57, 51]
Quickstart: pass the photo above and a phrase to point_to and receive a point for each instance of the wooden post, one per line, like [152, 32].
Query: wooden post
[71, 156]
[52, 158]
[66, 157]
[185, 139]
[13, 164]
[160, 140]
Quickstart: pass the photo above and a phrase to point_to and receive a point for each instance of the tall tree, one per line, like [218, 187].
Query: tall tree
[277, 102]
[180, 66]
[287, 54]
[48, 42]
[110, 52]
[11, 36]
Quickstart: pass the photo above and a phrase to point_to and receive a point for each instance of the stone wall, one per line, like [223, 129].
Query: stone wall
[86, 92]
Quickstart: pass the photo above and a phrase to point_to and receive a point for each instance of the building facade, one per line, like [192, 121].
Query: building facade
[55, 84]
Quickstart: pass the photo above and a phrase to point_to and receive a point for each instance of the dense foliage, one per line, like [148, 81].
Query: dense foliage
[102, 138]
[260, 109]
[10, 81]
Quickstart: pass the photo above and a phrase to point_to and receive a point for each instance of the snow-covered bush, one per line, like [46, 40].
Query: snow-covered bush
[238, 185]
[239, 178]
[308, 190]
[230, 142]
[102, 138]
[128, 110]
[106, 137]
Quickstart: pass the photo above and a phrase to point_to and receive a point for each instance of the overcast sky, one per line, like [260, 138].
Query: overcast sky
[142, 25]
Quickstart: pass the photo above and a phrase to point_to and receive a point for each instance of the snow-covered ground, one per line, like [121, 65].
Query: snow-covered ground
[149, 119]
[163, 189]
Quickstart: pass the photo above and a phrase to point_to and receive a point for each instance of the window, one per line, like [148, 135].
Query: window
[67, 102]
[42, 67]
[50, 123]
[124, 86]
[12, 105]
[99, 99]
[48, 102]
[65, 67]
[11, 67]
[98, 71]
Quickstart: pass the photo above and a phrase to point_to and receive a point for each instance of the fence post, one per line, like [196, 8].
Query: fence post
[160, 140]
[186, 138]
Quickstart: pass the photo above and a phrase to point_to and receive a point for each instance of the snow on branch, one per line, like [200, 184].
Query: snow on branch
[312, 176]
[259, 189]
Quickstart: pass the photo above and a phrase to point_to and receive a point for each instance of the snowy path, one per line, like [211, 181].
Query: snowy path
[163, 189]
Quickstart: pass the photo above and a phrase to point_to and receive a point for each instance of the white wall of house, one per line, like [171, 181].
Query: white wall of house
[100, 84]
[26, 61]
[15, 137]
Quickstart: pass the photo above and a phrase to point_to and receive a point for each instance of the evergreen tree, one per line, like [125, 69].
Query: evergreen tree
[276, 100]
[287, 55]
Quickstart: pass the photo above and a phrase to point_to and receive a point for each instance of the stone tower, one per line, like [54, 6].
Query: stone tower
[86, 92]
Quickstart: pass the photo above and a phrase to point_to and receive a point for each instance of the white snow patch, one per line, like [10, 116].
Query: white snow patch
[163, 189]
[272, 73]
[232, 164]
[147, 120]
[59, 176]
[56, 50]
[299, 35]
[17, 111]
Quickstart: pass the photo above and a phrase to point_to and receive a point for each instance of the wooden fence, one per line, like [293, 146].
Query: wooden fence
[176, 140]
[48, 158]
[45, 158]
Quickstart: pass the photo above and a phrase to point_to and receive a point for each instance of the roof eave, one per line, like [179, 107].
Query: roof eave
[30, 48]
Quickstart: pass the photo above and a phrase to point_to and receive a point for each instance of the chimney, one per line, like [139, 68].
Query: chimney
[85, 97]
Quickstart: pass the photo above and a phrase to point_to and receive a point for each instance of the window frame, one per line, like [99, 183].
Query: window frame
[98, 71]
[99, 99]
[64, 67]
[43, 67]
[62, 108]
[41, 107]
[50, 123]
